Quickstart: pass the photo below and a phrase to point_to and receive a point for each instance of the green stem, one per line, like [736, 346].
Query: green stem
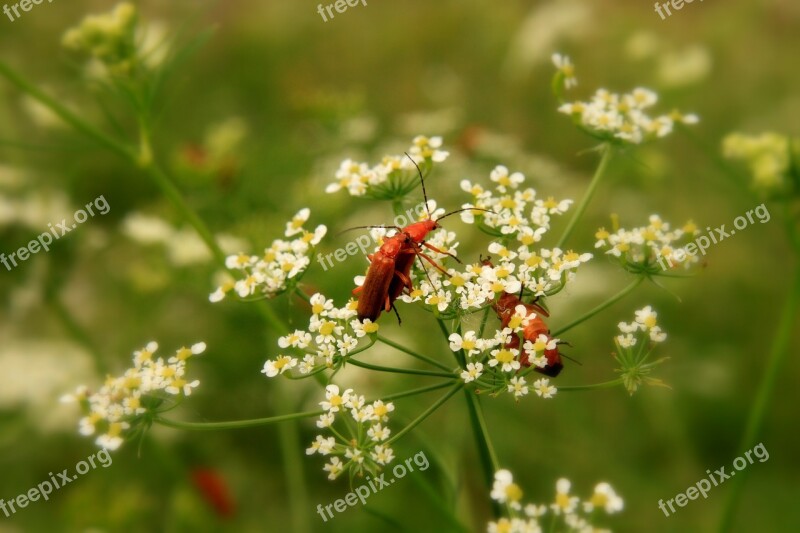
[141, 158]
[587, 197]
[239, 424]
[174, 196]
[235, 424]
[429, 373]
[760, 407]
[608, 303]
[294, 477]
[425, 414]
[65, 114]
[486, 452]
[459, 355]
[412, 353]
[604, 385]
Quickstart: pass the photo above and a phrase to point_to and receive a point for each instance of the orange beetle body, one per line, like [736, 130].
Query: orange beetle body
[504, 307]
[390, 269]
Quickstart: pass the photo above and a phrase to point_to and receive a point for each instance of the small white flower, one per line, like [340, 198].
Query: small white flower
[334, 468]
[518, 387]
[543, 388]
[333, 400]
[564, 503]
[278, 366]
[378, 433]
[604, 498]
[504, 490]
[506, 358]
[473, 372]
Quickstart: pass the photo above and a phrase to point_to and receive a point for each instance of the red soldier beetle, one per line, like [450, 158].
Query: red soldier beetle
[389, 271]
[505, 306]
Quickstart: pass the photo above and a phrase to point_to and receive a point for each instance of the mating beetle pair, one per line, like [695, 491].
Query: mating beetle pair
[389, 275]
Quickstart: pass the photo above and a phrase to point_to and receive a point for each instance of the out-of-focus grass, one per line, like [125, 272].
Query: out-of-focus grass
[313, 93]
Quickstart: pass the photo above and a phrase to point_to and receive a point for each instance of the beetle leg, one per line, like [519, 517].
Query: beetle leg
[398, 315]
[435, 249]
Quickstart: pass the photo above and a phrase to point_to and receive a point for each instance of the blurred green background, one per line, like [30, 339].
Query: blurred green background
[291, 96]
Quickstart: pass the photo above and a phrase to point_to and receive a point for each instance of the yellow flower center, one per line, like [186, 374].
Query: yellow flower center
[326, 328]
[599, 499]
[562, 500]
[513, 492]
[508, 202]
[457, 280]
[504, 356]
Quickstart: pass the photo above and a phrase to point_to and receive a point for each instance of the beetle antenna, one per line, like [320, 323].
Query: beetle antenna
[422, 181]
[369, 227]
[464, 209]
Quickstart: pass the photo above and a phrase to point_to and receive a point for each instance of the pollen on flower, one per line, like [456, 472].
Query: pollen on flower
[566, 511]
[281, 264]
[118, 407]
[394, 172]
[634, 368]
[354, 453]
[618, 118]
[645, 248]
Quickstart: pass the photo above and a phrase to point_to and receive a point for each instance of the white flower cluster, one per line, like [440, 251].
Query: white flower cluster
[366, 450]
[332, 334]
[518, 220]
[120, 403]
[618, 117]
[643, 246]
[574, 514]
[269, 275]
[393, 176]
[635, 343]
[645, 323]
[496, 357]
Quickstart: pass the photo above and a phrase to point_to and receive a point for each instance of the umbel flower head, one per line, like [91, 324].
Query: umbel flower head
[612, 117]
[282, 264]
[566, 513]
[124, 405]
[647, 249]
[366, 450]
[333, 334]
[394, 177]
[517, 219]
[635, 344]
[772, 159]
